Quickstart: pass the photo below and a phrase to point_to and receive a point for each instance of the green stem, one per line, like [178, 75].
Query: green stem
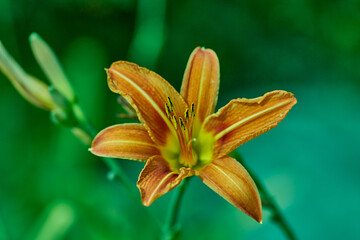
[171, 227]
[268, 200]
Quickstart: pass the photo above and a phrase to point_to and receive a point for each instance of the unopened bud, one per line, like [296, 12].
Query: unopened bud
[32, 89]
[51, 66]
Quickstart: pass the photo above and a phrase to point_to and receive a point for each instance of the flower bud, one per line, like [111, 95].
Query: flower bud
[32, 89]
[51, 66]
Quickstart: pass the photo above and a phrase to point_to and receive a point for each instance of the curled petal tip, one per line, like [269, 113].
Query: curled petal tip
[259, 218]
[146, 203]
[229, 179]
[256, 213]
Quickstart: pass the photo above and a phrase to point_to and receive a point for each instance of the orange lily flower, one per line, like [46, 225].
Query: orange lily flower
[180, 135]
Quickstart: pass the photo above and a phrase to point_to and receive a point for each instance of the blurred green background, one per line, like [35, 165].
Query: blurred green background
[51, 187]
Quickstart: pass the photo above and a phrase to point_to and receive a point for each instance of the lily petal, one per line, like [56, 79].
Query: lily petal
[229, 179]
[157, 178]
[201, 83]
[244, 119]
[147, 93]
[128, 141]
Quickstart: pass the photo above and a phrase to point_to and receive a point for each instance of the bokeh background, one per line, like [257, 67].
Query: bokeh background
[51, 187]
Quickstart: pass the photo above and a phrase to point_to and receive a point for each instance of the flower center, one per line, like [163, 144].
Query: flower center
[186, 156]
[190, 148]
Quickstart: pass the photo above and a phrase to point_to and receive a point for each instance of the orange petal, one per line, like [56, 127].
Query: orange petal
[201, 82]
[244, 119]
[157, 178]
[128, 141]
[229, 179]
[147, 93]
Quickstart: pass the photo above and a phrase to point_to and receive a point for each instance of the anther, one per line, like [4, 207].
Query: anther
[182, 125]
[175, 122]
[186, 115]
[171, 104]
[193, 109]
[168, 111]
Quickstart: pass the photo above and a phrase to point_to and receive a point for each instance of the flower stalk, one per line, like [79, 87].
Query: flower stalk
[171, 228]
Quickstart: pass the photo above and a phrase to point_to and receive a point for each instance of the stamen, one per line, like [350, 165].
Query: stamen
[189, 144]
[171, 104]
[193, 109]
[186, 115]
[168, 111]
[182, 125]
[183, 129]
[175, 122]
